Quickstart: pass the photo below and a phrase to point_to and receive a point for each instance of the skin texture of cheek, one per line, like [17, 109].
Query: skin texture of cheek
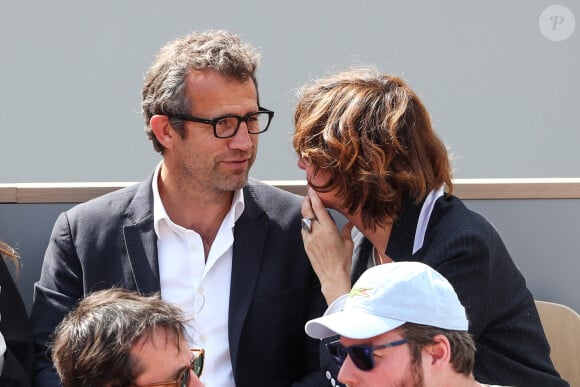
[412, 376]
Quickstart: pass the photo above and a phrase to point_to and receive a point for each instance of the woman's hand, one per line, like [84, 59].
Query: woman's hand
[330, 252]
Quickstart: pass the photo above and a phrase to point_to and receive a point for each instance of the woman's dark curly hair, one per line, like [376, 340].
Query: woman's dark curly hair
[374, 137]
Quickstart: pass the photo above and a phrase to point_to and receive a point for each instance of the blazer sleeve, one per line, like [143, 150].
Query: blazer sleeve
[55, 295]
[511, 346]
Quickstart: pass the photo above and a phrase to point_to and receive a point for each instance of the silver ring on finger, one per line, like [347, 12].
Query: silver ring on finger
[306, 224]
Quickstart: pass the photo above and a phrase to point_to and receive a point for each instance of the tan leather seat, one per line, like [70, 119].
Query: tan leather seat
[562, 328]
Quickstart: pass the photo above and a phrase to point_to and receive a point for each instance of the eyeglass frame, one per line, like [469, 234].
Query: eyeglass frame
[215, 120]
[367, 351]
[195, 365]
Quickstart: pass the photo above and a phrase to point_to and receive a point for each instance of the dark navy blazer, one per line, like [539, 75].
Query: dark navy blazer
[463, 246]
[110, 241]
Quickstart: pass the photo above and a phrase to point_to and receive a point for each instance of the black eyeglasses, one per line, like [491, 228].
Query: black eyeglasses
[227, 126]
[361, 355]
[196, 365]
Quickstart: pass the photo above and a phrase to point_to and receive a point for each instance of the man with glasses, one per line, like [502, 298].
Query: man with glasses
[224, 248]
[401, 325]
[116, 337]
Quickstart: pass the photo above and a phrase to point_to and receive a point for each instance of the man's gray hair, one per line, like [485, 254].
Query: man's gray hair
[164, 89]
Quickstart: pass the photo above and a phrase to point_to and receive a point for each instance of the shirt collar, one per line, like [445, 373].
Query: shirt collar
[159, 213]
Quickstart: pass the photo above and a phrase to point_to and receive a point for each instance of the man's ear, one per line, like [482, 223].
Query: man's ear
[438, 353]
[163, 130]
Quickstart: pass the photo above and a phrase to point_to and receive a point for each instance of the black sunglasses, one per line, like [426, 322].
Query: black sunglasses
[361, 355]
[196, 365]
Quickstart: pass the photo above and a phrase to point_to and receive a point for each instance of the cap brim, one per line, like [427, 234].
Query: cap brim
[353, 324]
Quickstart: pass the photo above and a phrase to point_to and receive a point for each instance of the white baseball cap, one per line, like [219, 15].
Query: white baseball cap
[387, 296]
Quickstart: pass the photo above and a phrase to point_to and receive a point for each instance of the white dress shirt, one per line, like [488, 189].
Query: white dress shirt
[201, 289]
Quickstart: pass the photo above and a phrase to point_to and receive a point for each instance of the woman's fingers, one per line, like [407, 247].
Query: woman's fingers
[316, 204]
[345, 233]
[307, 211]
[329, 250]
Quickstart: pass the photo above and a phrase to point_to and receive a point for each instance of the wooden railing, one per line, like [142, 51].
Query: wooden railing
[536, 188]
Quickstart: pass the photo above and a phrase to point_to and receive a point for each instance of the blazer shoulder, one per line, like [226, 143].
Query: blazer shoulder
[133, 203]
[452, 213]
[275, 202]
[266, 194]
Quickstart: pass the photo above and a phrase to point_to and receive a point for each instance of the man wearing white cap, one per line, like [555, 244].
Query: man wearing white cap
[401, 325]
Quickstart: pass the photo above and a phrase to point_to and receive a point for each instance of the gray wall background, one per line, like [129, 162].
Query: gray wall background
[502, 96]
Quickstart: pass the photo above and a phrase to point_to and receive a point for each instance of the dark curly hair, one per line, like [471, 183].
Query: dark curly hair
[373, 136]
[6, 251]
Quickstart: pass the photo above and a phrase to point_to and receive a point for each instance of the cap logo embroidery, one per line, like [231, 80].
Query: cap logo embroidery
[359, 292]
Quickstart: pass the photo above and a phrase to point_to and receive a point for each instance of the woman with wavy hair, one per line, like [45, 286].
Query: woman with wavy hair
[16, 348]
[369, 151]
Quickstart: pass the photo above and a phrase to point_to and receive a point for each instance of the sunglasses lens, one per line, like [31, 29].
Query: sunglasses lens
[184, 381]
[197, 365]
[362, 357]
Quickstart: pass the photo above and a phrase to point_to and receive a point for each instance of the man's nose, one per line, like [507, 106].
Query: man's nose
[242, 139]
[347, 373]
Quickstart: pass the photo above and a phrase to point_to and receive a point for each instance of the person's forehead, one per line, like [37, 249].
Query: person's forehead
[212, 93]
[158, 356]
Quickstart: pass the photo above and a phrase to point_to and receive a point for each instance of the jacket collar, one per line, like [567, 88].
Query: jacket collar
[141, 266]
[403, 232]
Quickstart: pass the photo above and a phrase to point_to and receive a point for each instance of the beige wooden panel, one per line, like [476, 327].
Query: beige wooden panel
[7, 193]
[64, 192]
[549, 188]
[545, 188]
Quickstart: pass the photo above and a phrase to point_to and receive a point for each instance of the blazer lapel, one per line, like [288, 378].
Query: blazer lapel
[249, 239]
[140, 265]
[400, 245]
